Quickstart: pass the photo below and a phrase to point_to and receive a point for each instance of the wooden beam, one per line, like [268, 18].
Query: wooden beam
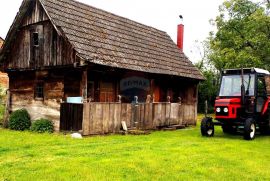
[83, 87]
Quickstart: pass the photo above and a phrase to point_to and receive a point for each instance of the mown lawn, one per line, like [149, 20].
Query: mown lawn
[170, 155]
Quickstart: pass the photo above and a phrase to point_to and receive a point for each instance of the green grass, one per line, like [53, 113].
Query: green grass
[176, 155]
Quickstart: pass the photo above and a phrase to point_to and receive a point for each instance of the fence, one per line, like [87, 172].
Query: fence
[71, 116]
[103, 118]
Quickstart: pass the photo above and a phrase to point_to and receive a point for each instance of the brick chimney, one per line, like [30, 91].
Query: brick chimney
[180, 34]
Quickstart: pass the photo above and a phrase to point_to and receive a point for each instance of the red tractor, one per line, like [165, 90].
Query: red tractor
[242, 103]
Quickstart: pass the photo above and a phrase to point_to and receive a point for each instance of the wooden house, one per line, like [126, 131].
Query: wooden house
[1, 43]
[3, 76]
[61, 49]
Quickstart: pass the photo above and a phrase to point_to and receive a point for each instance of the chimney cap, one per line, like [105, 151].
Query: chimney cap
[181, 19]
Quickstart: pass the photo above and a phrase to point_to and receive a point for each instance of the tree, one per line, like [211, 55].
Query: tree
[208, 90]
[242, 37]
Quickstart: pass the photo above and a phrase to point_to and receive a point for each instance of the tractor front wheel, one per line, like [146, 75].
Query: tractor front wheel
[207, 127]
[249, 129]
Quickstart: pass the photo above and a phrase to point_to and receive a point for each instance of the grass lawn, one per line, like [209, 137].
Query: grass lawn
[170, 155]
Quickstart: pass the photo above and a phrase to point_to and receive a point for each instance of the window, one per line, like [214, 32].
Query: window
[35, 39]
[261, 90]
[39, 90]
[231, 85]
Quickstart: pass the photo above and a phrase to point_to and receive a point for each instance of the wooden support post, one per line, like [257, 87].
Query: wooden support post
[119, 98]
[136, 99]
[84, 85]
[180, 100]
[148, 99]
[168, 99]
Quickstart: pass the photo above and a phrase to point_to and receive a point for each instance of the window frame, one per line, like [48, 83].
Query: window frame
[39, 90]
[35, 39]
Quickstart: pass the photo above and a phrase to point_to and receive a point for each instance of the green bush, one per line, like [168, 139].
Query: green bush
[42, 126]
[19, 120]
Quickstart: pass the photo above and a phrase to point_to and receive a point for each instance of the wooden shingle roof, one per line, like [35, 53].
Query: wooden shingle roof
[107, 39]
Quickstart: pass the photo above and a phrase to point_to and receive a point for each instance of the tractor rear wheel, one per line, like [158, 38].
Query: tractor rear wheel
[207, 127]
[249, 129]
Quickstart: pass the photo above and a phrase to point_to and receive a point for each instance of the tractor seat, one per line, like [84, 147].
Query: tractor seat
[260, 103]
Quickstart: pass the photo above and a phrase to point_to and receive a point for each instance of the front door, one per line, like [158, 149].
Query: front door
[107, 92]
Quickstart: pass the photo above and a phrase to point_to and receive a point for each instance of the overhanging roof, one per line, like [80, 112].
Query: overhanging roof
[106, 39]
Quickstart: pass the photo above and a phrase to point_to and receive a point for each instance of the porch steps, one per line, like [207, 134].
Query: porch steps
[171, 127]
[178, 126]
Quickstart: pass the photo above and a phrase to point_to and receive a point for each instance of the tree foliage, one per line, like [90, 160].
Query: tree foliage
[242, 37]
[207, 89]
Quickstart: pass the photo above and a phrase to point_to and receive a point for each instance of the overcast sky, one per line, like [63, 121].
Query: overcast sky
[160, 14]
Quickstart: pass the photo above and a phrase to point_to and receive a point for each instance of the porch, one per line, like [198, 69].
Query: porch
[95, 118]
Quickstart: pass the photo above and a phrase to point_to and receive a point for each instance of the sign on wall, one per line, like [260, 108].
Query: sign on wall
[134, 86]
[134, 83]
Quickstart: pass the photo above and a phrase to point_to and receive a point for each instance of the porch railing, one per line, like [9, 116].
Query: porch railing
[101, 118]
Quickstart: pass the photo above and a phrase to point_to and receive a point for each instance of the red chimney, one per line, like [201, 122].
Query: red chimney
[180, 36]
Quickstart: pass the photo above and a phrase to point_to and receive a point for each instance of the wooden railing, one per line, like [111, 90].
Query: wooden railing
[103, 118]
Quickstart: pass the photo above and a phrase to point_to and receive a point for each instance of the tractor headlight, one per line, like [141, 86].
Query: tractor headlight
[226, 110]
[218, 109]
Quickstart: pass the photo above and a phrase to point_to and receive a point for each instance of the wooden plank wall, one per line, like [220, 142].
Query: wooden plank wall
[104, 118]
[53, 49]
[22, 85]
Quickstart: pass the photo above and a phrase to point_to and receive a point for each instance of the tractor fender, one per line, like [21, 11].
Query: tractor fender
[265, 107]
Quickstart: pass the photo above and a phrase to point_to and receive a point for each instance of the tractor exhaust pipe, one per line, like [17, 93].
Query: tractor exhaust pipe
[243, 94]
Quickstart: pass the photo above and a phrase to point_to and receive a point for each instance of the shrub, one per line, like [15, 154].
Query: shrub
[19, 120]
[42, 126]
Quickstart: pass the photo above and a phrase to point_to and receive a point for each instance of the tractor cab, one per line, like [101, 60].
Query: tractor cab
[241, 104]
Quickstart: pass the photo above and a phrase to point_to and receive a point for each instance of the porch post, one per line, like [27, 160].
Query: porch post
[84, 85]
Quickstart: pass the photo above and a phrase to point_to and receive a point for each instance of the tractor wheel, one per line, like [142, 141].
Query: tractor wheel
[229, 129]
[207, 127]
[249, 129]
